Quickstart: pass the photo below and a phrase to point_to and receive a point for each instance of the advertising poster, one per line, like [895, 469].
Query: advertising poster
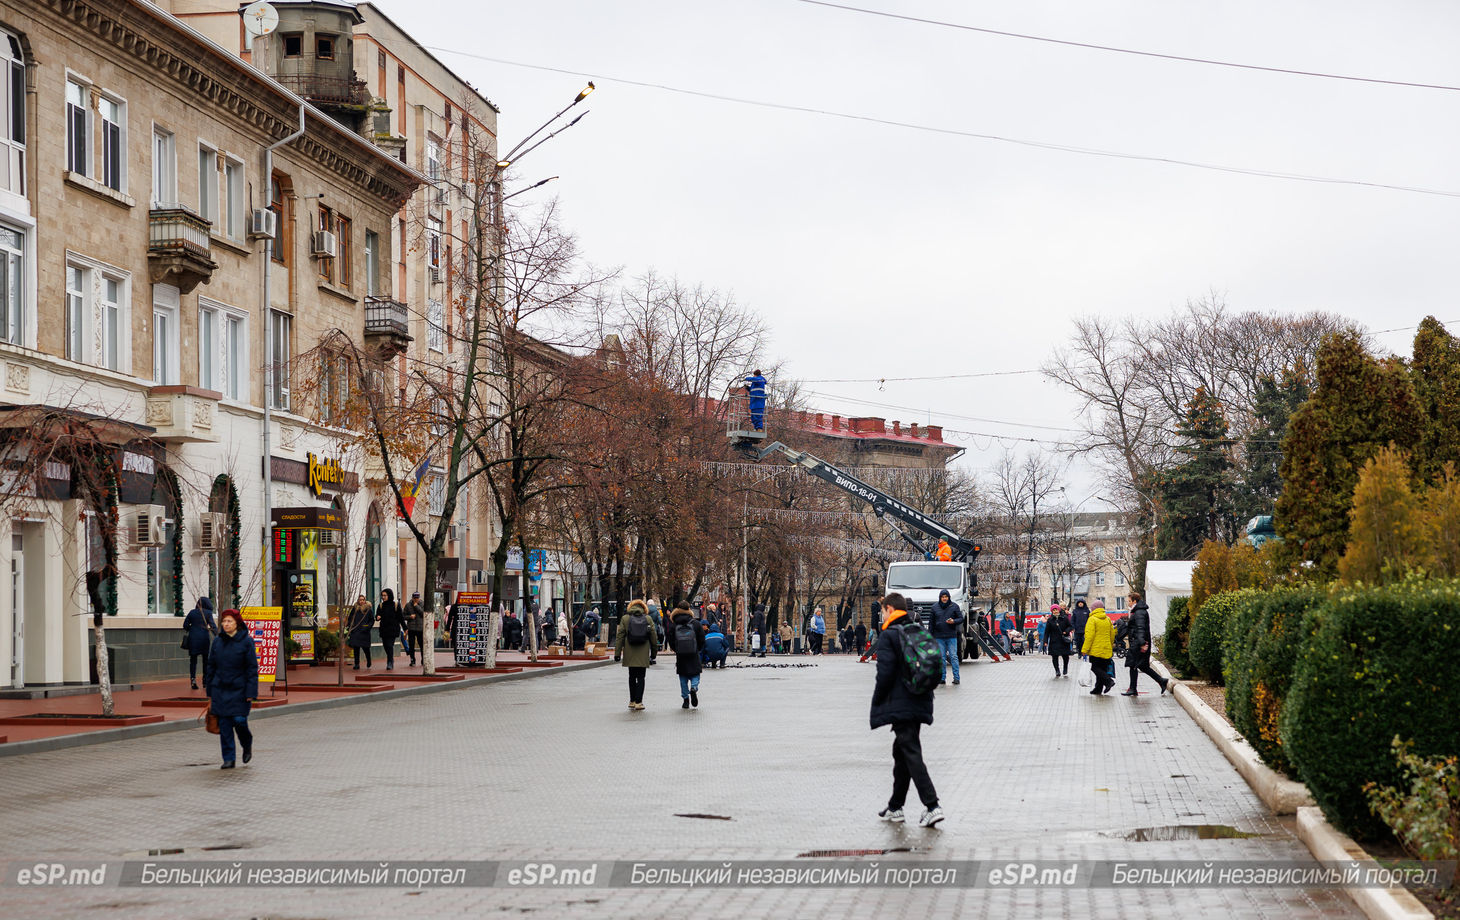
[470, 642]
[264, 625]
[305, 638]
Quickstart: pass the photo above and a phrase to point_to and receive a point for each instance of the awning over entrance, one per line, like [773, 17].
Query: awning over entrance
[310, 519]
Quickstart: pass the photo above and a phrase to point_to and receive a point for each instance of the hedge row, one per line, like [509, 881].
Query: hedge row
[1321, 681]
[1208, 630]
[1173, 643]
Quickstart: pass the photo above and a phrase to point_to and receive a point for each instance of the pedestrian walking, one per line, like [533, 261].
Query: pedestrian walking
[415, 617]
[945, 625]
[1138, 644]
[786, 636]
[859, 639]
[511, 631]
[232, 681]
[362, 617]
[817, 634]
[635, 644]
[848, 638]
[1078, 619]
[757, 629]
[894, 703]
[591, 623]
[199, 629]
[1057, 628]
[687, 640]
[1099, 644]
[658, 620]
[392, 625]
[1043, 624]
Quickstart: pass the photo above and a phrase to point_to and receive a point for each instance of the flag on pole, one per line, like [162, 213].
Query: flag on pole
[412, 488]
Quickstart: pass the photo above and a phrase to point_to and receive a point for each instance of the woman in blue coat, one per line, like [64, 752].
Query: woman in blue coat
[199, 630]
[233, 684]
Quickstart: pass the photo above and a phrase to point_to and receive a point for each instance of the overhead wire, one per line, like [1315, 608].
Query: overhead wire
[1132, 51]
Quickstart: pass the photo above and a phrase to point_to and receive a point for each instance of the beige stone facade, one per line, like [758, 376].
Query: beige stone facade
[137, 296]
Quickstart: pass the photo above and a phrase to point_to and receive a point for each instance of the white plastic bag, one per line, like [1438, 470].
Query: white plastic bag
[1087, 680]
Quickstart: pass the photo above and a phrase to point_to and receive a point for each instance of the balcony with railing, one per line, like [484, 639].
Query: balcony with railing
[179, 247]
[328, 89]
[387, 324]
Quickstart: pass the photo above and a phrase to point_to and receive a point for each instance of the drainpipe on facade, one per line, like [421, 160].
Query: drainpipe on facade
[266, 320]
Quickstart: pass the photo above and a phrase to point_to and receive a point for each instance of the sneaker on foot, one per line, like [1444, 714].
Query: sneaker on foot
[893, 815]
[1127, 693]
[1170, 685]
[694, 698]
[685, 704]
[931, 817]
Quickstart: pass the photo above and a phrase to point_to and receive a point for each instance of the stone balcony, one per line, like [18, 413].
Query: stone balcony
[387, 325]
[179, 248]
[183, 413]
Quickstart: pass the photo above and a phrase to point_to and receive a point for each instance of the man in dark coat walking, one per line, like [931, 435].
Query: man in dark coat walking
[1078, 618]
[686, 638]
[415, 616]
[894, 704]
[392, 623]
[198, 632]
[859, 638]
[1138, 645]
[945, 623]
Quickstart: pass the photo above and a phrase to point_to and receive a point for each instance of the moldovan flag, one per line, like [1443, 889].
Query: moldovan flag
[412, 488]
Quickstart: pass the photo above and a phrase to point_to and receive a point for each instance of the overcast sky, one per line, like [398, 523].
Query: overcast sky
[876, 250]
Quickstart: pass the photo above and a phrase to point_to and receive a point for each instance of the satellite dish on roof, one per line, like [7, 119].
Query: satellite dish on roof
[260, 18]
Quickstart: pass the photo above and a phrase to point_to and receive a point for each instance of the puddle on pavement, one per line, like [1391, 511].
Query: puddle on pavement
[705, 817]
[824, 854]
[1184, 832]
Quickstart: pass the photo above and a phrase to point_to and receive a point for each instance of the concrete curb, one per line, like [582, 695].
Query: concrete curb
[1281, 795]
[60, 742]
[1328, 844]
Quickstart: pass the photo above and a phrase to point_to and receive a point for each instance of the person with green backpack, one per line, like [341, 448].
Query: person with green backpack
[909, 665]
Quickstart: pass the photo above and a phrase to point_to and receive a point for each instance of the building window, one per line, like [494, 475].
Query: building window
[233, 212]
[433, 169]
[113, 142]
[380, 84]
[280, 329]
[327, 225]
[293, 45]
[280, 245]
[1119, 553]
[96, 303]
[1100, 601]
[12, 285]
[165, 304]
[372, 262]
[433, 247]
[400, 99]
[335, 386]
[1099, 578]
[435, 325]
[12, 104]
[344, 262]
[437, 494]
[208, 207]
[324, 47]
[235, 354]
[78, 128]
[164, 168]
[1034, 580]
[1120, 579]
[1099, 554]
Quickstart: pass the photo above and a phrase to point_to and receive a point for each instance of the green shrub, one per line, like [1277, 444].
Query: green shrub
[1425, 813]
[1379, 663]
[1178, 631]
[1260, 650]
[1207, 629]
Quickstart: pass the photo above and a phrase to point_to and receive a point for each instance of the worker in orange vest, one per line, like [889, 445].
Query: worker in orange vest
[945, 552]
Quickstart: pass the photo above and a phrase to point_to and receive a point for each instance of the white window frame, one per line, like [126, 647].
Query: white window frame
[372, 263]
[235, 181]
[210, 183]
[1119, 579]
[433, 170]
[164, 167]
[436, 493]
[121, 144]
[166, 313]
[229, 371]
[279, 357]
[89, 337]
[18, 280]
[12, 148]
[435, 325]
[80, 162]
[1099, 578]
[159, 570]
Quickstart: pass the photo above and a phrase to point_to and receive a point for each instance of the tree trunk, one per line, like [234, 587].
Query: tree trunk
[428, 622]
[103, 668]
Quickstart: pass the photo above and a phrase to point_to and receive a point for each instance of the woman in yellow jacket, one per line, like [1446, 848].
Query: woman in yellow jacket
[1100, 646]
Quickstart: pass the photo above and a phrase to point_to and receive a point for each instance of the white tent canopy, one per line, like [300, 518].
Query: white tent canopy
[1165, 580]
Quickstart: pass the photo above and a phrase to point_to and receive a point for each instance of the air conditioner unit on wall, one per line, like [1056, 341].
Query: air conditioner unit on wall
[434, 273]
[329, 538]
[211, 527]
[150, 525]
[262, 224]
[326, 245]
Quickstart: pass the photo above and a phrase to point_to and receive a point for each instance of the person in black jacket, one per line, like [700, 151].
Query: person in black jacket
[233, 684]
[358, 626]
[392, 624]
[198, 632]
[893, 704]
[945, 623]
[757, 626]
[859, 638]
[1078, 619]
[1057, 635]
[686, 638]
[1138, 645]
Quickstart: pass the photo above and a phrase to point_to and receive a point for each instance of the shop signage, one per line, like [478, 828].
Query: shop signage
[323, 471]
[469, 645]
[308, 518]
[263, 625]
[136, 474]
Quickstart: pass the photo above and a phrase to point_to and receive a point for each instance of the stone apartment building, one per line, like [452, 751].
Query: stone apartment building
[356, 63]
[1088, 556]
[132, 290]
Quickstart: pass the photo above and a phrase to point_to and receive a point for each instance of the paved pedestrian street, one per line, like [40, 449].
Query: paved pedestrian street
[557, 768]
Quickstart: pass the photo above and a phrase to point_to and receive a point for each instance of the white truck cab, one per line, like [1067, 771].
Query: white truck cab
[922, 582]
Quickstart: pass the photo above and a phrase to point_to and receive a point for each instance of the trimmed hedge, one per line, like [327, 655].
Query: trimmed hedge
[1378, 663]
[1259, 653]
[1207, 630]
[1178, 631]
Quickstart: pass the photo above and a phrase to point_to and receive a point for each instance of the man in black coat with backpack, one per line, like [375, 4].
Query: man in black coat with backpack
[896, 701]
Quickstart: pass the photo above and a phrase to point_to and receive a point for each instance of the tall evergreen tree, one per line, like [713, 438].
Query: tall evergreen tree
[1196, 493]
[1436, 374]
[1259, 480]
[1359, 404]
